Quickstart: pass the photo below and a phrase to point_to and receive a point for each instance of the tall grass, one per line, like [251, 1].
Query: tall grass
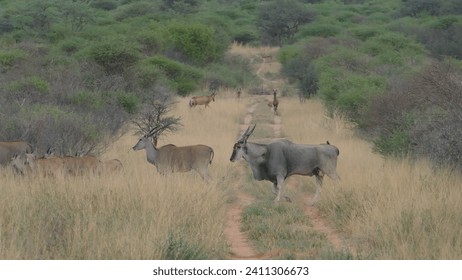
[388, 208]
[137, 214]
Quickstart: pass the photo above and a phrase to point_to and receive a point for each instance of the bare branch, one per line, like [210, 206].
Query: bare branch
[153, 120]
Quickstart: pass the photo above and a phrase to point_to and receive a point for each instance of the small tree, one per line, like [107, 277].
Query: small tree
[302, 71]
[155, 116]
[280, 20]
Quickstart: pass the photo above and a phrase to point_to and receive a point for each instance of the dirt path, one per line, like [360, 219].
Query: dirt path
[241, 247]
[239, 244]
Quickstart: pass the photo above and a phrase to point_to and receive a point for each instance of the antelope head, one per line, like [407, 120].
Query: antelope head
[240, 147]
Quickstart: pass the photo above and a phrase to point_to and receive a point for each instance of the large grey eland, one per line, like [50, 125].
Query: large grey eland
[170, 158]
[280, 159]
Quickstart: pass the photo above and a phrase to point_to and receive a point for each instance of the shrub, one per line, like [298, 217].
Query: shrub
[151, 41]
[136, 9]
[234, 71]
[32, 89]
[245, 36]
[443, 40]
[72, 45]
[197, 42]
[417, 7]
[364, 32]
[349, 92]
[302, 70]
[392, 48]
[9, 58]
[319, 30]
[420, 114]
[184, 78]
[130, 103]
[106, 5]
[148, 75]
[114, 55]
[395, 143]
[87, 99]
[288, 53]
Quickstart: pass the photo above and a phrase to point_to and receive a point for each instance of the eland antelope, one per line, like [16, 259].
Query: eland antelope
[280, 159]
[170, 158]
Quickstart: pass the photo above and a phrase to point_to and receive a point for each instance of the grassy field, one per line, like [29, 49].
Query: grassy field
[387, 208]
[135, 215]
[383, 208]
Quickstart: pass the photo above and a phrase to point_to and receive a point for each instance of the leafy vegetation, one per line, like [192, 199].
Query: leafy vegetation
[352, 54]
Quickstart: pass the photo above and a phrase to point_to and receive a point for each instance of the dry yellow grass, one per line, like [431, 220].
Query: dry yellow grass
[137, 214]
[388, 208]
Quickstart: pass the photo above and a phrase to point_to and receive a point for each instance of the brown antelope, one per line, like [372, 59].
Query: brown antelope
[110, 166]
[80, 165]
[27, 163]
[53, 166]
[202, 100]
[170, 158]
[275, 101]
[10, 149]
[267, 57]
[239, 91]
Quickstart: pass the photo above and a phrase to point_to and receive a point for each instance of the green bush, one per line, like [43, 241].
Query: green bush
[364, 32]
[31, 86]
[288, 53]
[245, 36]
[114, 55]
[106, 5]
[72, 45]
[184, 78]
[198, 43]
[234, 71]
[88, 99]
[319, 30]
[349, 92]
[148, 75]
[133, 10]
[151, 41]
[9, 58]
[129, 102]
[396, 143]
[392, 48]
[302, 71]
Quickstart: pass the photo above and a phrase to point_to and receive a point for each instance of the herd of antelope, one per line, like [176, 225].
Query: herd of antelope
[273, 162]
[168, 158]
[26, 162]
